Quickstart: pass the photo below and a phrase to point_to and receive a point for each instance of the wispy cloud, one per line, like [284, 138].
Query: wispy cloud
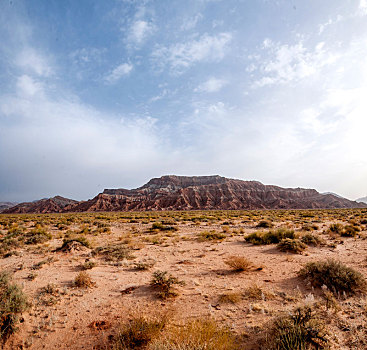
[140, 30]
[211, 85]
[190, 23]
[117, 73]
[32, 61]
[205, 49]
[283, 63]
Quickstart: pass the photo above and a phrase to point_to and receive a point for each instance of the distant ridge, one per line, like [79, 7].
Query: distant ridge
[171, 192]
[362, 200]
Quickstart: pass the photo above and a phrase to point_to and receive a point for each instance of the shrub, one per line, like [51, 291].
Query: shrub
[67, 242]
[13, 303]
[37, 235]
[350, 231]
[159, 226]
[291, 245]
[300, 330]
[211, 236]
[336, 228]
[138, 333]
[310, 227]
[164, 283]
[238, 263]
[83, 280]
[265, 224]
[115, 252]
[311, 239]
[338, 277]
[270, 237]
[88, 265]
[230, 298]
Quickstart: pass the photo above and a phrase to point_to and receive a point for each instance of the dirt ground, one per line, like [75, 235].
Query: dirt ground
[64, 316]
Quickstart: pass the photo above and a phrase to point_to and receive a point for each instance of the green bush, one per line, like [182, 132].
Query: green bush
[338, 277]
[13, 303]
[165, 283]
[269, 237]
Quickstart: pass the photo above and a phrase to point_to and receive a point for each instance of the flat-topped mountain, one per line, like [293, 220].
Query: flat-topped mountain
[172, 192]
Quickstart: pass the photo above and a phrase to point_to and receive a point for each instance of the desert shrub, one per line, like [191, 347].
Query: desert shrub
[79, 239]
[211, 236]
[37, 235]
[238, 263]
[164, 284]
[88, 265]
[83, 280]
[301, 330]
[254, 292]
[202, 334]
[265, 224]
[159, 226]
[269, 237]
[144, 265]
[336, 228]
[338, 277]
[115, 252]
[311, 239]
[291, 245]
[138, 333]
[350, 231]
[13, 303]
[310, 227]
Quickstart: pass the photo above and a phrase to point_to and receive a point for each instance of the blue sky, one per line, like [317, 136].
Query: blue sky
[106, 94]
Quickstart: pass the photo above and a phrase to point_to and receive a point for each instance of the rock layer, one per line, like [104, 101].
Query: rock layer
[194, 193]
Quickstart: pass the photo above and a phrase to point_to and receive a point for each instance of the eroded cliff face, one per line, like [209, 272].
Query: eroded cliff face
[193, 193]
[209, 192]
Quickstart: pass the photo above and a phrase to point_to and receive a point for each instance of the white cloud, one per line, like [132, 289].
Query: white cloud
[363, 6]
[28, 86]
[190, 23]
[287, 63]
[205, 49]
[32, 61]
[140, 30]
[211, 85]
[117, 73]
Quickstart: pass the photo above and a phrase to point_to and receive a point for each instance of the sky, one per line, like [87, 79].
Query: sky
[108, 94]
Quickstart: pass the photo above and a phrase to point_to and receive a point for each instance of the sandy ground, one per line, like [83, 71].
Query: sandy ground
[66, 318]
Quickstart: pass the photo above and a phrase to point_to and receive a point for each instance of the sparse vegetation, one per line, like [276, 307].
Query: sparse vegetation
[238, 263]
[336, 276]
[299, 330]
[138, 332]
[13, 303]
[211, 236]
[164, 284]
[83, 280]
[269, 237]
[291, 245]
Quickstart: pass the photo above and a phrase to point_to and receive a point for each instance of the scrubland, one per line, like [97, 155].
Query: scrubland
[282, 279]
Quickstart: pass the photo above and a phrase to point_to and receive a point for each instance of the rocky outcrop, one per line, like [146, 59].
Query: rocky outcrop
[209, 192]
[47, 205]
[193, 193]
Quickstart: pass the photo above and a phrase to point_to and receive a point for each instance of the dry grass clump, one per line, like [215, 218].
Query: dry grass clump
[291, 245]
[164, 284]
[69, 243]
[269, 237]
[159, 226]
[138, 333]
[13, 303]
[336, 276]
[202, 334]
[239, 263]
[344, 231]
[254, 292]
[37, 235]
[265, 224]
[89, 264]
[144, 264]
[300, 330]
[114, 252]
[83, 280]
[211, 236]
[230, 298]
[312, 239]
